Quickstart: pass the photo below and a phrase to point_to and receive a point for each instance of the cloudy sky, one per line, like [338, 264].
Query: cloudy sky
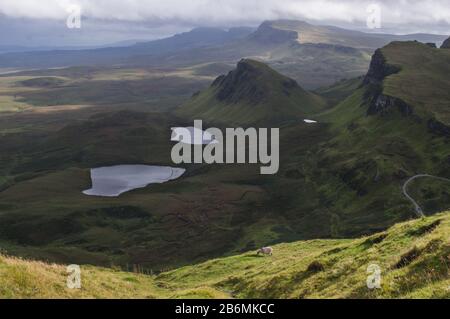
[105, 21]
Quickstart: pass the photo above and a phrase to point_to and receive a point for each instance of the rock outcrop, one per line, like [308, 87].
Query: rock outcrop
[446, 44]
[379, 69]
[382, 104]
[379, 103]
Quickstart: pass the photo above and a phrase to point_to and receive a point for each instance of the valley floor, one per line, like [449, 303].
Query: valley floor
[413, 259]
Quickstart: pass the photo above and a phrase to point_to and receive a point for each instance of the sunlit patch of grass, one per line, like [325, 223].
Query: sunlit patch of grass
[11, 104]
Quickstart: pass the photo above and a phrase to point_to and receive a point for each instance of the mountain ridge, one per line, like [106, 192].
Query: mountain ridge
[314, 55]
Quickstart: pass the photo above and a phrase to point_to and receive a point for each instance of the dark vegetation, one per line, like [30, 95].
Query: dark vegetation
[315, 266]
[408, 257]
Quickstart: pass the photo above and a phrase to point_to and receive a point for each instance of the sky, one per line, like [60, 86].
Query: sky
[104, 21]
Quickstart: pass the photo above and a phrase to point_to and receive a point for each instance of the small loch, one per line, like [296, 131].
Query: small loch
[113, 181]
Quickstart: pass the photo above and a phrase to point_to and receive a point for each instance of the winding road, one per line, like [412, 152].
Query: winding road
[419, 210]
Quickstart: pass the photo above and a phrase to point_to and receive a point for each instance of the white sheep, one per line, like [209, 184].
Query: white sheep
[265, 251]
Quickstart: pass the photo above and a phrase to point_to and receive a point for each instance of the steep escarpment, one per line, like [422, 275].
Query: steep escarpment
[412, 78]
[380, 103]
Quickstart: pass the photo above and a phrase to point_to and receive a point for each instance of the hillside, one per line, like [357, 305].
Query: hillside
[309, 33]
[253, 93]
[386, 132]
[414, 259]
[197, 37]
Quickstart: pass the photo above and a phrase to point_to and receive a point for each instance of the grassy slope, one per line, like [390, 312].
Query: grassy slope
[373, 155]
[339, 91]
[317, 65]
[284, 275]
[139, 88]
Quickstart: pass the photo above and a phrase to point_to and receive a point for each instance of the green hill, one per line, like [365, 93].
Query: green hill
[392, 127]
[253, 93]
[413, 257]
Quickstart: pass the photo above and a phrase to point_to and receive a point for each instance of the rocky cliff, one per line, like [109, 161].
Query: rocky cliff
[379, 69]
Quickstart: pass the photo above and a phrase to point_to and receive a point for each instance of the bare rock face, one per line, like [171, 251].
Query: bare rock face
[379, 69]
[384, 103]
[446, 44]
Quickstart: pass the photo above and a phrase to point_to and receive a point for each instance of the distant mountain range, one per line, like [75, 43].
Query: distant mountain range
[308, 33]
[17, 48]
[313, 55]
[122, 53]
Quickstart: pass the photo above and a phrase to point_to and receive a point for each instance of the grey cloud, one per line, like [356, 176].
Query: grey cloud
[115, 20]
[233, 11]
